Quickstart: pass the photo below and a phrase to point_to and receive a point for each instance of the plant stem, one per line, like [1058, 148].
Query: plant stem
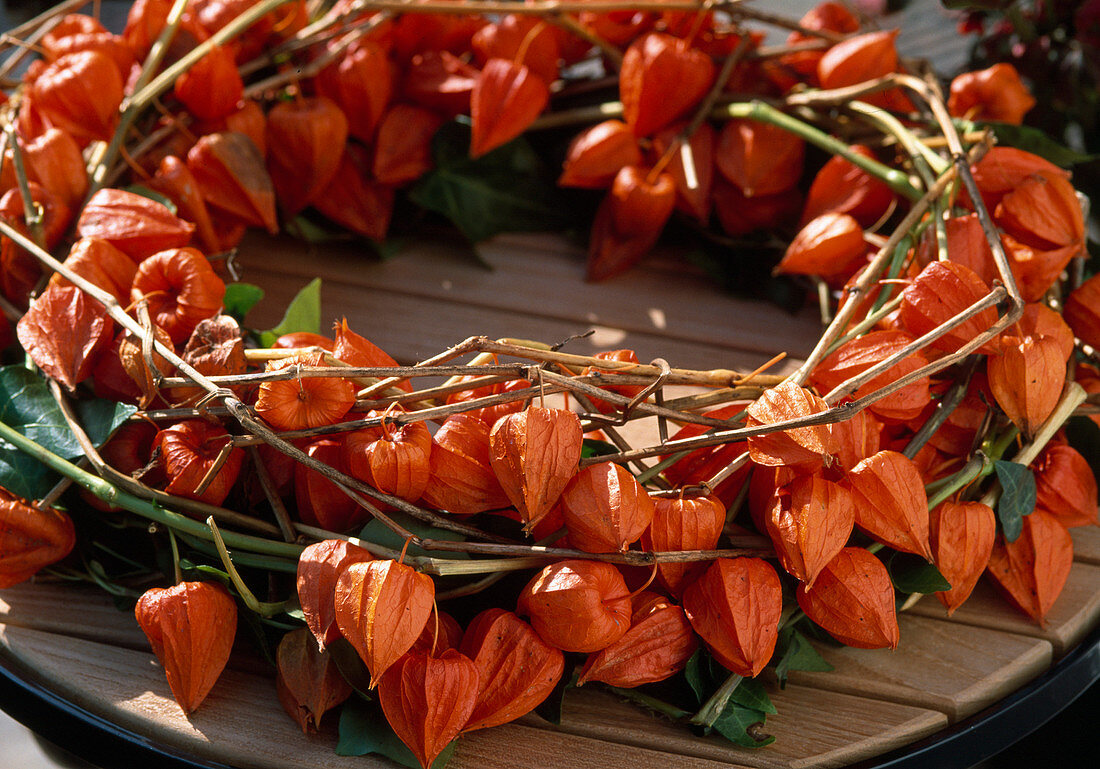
[264, 609]
[652, 703]
[713, 707]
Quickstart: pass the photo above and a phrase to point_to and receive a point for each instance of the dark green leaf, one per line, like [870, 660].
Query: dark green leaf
[797, 653]
[505, 190]
[240, 298]
[550, 708]
[23, 475]
[350, 665]
[377, 532]
[1084, 435]
[693, 673]
[912, 574]
[145, 192]
[101, 417]
[594, 448]
[302, 314]
[364, 730]
[750, 694]
[742, 726]
[1017, 497]
[312, 230]
[1036, 142]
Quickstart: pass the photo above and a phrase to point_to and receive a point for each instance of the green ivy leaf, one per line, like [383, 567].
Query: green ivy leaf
[912, 574]
[240, 298]
[797, 653]
[739, 724]
[1017, 497]
[101, 417]
[302, 314]
[750, 694]
[505, 190]
[595, 448]
[364, 730]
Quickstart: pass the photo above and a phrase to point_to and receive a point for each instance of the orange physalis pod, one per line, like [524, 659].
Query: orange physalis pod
[54, 161]
[215, 348]
[826, 16]
[181, 289]
[441, 632]
[967, 245]
[462, 479]
[233, 179]
[381, 608]
[534, 453]
[761, 159]
[304, 402]
[31, 538]
[136, 366]
[136, 225]
[857, 438]
[1039, 320]
[629, 221]
[440, 81]
[1036, 268]
[683, 523]
[211, 87]
[302, 136]
[355, 201]
[735, 607]
[702, 464]
[1065, 486]
[857, 355]
[605, 509]
[403, 148]
[189, 450]
[1089, 378]
[513, 35]
[175, 181]
[393, 459]
[1082, 311]
[841, 187]
[694, 184]
[941, 291]
[427, 700]
[805, 447]
[662, 77]
[518, 669]
[1043, 212]
[623, 356]
[320, 501]
[1026, 379]
[853, 600]
[830, 245]
[1032, 571]
[996, 94]
[356, 350]
[490, 414]
[191, 627]
[890, 502]
[319, 565]
[63, 332]
[597, 153]
[80, 94]
[79, 32]
[1003, 169]
[577, 606]
[506, 99]
[860, 58]
[297, 339]
[961, 535]
[657, 646]
[810, 520]
[360, 83]
[307, 680]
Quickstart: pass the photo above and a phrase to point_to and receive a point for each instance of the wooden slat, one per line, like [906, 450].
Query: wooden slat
[955, 669]
[1086, 544]
[1075, 612]
[79, 611]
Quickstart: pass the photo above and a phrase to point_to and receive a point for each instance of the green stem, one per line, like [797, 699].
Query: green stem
[713, 707]
[263, 608]
[979, 466]
[646, 701]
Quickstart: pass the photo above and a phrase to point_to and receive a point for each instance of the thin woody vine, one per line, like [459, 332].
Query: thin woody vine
[475, 529]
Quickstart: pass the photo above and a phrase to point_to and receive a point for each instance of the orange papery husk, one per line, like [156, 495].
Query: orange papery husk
[702, 464]
[857, 438]
[381, 608]
[618, 27]
[360, 83]
[136, 225]
[354, 200]
[605, 509]
[319, 566]
[1039, 320]
[1043, 212]
[1065, 486]
[490, 414]
[215, 348]
[305, 402]
[357, 350]
[80, 94]
[109, 378]
[628, 222]
[174, 180]
[188, 450]
[661, 79]
[506, 99]
[211, 88]
[826, 16]
[534, 453]
[393, 459]
[1082, 311]
[857, 355]
[19, 269]
[307, 680]
[577, 606]
[233, 179]
[441, 632]
[803, 447]
[63, 332]
[1003, 169]
[890, 502]
[853, 600]
[860, 58]
[809, 520]
[31, 538]
[53, 160]
[428, 700]
[320, 501]
[956, 434]
[831, 246]
[961, 535]
[462, 479]
[996, 94]
[134, 363]
[180, 288]
[739, 215]
[657, 646]
[191, 627]
[1036, 269]
[79, 32]
[1089, 377]
[694, 200]
[420, 32]
[1026, 380]
[128, 451]
[518, 670]
[297, 339]
[98, 262]
[597, 153]
[735, 607]
[144, 22]
[1032, 571]
[610, 253]
[622, 356]
[761, 159]
[304, 138]
[506, 38]
[841, 187]
[967, 246]
[248, 119]
[941, 291]
[403, 147]
[440, 81]
[683, 523]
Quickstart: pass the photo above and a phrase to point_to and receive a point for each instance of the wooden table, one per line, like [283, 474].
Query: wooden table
[74, 649]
